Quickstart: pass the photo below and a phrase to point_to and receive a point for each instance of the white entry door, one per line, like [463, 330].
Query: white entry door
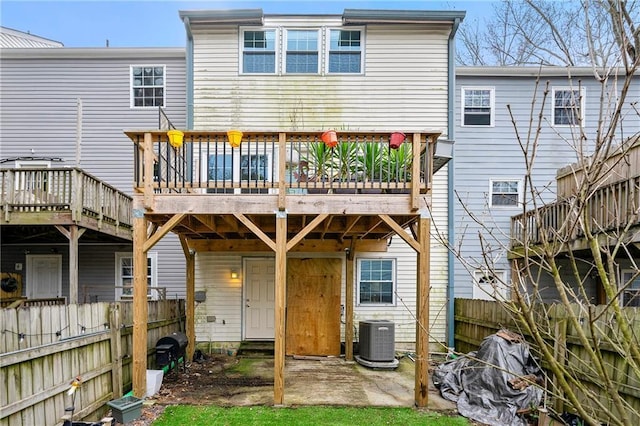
[44, 276]
[259, 299]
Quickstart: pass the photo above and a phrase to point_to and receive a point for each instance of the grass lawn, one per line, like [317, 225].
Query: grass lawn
[212, 415]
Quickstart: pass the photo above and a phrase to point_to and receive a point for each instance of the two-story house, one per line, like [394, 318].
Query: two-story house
[66, 166]
[489, 164]
[268, 257]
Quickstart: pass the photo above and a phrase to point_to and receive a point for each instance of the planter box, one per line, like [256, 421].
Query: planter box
[126, 409]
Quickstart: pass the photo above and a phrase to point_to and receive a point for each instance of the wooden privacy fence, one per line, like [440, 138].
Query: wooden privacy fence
[43, 348]
[477, 319]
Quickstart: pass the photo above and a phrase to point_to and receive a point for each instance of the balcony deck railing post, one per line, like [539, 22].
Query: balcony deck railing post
[282, 182]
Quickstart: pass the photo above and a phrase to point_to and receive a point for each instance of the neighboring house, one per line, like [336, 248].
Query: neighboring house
[67, 166]
[10, 38]
[246, 216]
[489, 165]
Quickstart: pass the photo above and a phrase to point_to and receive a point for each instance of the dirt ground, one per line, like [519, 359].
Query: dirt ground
[234, 381]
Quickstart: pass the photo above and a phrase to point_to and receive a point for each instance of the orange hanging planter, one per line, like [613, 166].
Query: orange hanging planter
[396, 140]
[235, 138]
[330, 138]
[176, 137]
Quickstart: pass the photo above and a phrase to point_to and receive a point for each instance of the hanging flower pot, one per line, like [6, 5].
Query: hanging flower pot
[176, 137]
[235, 138]
[396, 140]
[330, 138]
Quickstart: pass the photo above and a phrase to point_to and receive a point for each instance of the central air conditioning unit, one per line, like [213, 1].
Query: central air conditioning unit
[377, 340]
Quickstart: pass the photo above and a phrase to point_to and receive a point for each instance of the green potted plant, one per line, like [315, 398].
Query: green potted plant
[344, 166]
[372, 168]
[396, 166]
[314, 165]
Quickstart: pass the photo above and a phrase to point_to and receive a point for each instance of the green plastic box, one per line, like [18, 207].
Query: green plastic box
[126, 409]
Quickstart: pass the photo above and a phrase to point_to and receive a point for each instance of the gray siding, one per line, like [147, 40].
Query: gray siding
[39, 93]
[483, 153]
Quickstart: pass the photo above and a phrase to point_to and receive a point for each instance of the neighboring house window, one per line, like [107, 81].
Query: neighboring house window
[477, 106]
[147, 85]
[489, 285]
[376, 283]
[631, 294]
[504, 193]
[259, 51]
[345, 51]
[567, 107]
[302, 52]
[124, 275]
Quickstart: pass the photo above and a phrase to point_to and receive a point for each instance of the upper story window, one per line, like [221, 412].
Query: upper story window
[567, 106]
[504, 193]
[477, 106]
[345, 51]
[259, 52]
[376, 283]
[302, 52]
[147, 85]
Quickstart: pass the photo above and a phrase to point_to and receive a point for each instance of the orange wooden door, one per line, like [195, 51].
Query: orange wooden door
[313, 307]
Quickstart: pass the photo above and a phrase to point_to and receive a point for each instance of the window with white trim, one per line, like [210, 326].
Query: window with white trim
[259, 51]
[477, 106]
[567, 106]
[302, 54]
[302, 51]
[147, 86]
[505, 192]
[345, 51]
[631, 294]
[489, 285]
[376, 281]
[124, 275]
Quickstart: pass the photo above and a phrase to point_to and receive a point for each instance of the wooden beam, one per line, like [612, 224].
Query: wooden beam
[401, 232]
[348, 303]
[191, 300]
[140, 305]
[162, 231]
[303, 233]
[282, 181]
[73, 234]
[252, 226]
[324, 246]
[148, 159]
[327, 224]
[422, 307]
[280, 300]
[351, 222]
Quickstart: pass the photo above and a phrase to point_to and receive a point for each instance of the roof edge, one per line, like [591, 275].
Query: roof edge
[90, 52]
[526, 71]
[368, 16]
[231, 16]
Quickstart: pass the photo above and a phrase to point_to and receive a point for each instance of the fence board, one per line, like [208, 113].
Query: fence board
[36, 373]
[476, 319]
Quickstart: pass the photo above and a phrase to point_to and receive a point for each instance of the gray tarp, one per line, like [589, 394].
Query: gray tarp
[479, 381]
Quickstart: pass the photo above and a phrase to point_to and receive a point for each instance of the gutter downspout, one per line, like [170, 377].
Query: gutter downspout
[189, 70]
[450, 181]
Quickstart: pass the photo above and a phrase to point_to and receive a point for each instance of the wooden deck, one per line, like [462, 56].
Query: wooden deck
[282, 192]
[611, 207]
[64, 196]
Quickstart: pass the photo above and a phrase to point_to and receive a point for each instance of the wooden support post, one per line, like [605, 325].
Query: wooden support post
[191, 304]
[422, 306]
[415, 172]
[140, 304]
[280, 296]
[72, 234]
[73, 264]
[116, 350]
[348, 303]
